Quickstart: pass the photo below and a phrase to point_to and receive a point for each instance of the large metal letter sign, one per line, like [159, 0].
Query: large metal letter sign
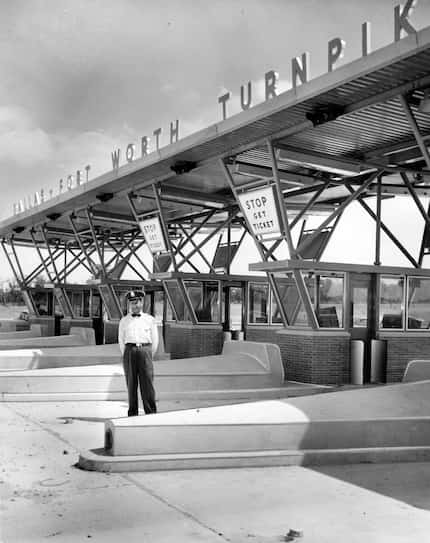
[153, 234]
[260, 210]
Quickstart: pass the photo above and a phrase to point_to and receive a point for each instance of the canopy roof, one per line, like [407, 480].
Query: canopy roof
[363, 128]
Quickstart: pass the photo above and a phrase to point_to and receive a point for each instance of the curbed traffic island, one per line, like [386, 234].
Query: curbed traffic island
[417, 370]
[387, 424]
[97, 373]
[78, 336]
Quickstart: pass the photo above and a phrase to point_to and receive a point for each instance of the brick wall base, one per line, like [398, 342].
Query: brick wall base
[318, 357]
[402, 348]
[187, 341]
[66, 324]
[48, 324]
[111, 331]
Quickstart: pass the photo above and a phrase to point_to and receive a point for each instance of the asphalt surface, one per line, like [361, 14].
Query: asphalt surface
[45, 497]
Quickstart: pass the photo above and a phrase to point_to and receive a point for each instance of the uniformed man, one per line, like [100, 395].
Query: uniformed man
[138, 342]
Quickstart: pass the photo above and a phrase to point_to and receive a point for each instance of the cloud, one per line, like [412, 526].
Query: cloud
[21, 142]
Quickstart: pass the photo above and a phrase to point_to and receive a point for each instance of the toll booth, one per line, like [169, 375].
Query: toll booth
[59, 307]
[370, 320]
[204, 310]
[97, 306]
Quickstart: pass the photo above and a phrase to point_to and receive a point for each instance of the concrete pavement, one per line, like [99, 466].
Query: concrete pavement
[45, 498]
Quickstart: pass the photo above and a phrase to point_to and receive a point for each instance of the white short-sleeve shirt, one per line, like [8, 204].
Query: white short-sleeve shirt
[142, 329]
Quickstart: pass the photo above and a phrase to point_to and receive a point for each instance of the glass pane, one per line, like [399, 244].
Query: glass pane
[418, 303]
[158, 305]
[95, 305]
[204, 299]
[177, 300]
[109, 302]
[61, 300]
[147, 303]
[291, 300]
[359, 307]
[289, 296]
[28, 300]
[258, 303]
[391, 302]
[86, 308]
[77, 303]
[236, 304]
[330, 301]
[41, 302]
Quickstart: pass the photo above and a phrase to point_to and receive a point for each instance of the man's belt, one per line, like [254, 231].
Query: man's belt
[138, 344]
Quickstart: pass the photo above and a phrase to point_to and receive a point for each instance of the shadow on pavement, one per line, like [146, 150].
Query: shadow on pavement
[408, 482]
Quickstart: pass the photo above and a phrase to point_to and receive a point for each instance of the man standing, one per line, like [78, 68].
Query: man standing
[138, 342]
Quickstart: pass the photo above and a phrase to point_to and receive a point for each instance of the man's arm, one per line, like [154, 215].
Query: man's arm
[121, 336]
[154, 336]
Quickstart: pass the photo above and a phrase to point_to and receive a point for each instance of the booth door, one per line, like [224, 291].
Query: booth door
[233, 297]
[362, 314]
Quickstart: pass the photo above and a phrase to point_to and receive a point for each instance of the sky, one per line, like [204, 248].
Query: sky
[81, 78]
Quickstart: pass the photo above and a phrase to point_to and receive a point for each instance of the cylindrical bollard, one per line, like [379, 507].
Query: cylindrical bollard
[378, 362]
[357, 361]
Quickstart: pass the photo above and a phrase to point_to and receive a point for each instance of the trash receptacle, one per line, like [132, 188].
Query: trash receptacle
[227, 336]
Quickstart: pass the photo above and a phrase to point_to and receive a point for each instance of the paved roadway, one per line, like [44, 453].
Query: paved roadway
[44, 498]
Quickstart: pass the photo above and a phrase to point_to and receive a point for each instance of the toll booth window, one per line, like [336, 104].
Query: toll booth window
[235, 307]
[58, 312]
[41, 301]
[76, 300]
[391, 302]
[86, 306]
[291, 301]
[330, 301]
[158, 305]
[300, 317]
[177, 300]
[204, 296]
[289, 297]
[109, 302]
[258, 303]
[95, 310]
[418, 303]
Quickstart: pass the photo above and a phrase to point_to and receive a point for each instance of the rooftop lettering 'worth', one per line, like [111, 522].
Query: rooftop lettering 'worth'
[300, 74]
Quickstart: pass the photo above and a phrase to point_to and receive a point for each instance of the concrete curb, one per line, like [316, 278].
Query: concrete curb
[97, 460]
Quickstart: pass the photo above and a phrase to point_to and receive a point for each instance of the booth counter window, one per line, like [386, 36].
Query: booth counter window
[205, 300]
[158, 305]
[418, 303]
[43, 302]
[404, 303]
[330, 289]
[326, 294]
[258, 296]
[291, 301]
[391, 302]
[178, 311]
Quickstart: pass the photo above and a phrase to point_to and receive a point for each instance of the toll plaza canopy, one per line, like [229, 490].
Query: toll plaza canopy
[358, 133]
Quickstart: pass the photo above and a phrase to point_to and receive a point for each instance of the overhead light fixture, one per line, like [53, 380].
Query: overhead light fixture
[324, 114]
[105, 196]
[330, 164]
[182, 166]
[424, 106]
[53, 216]
[18, 229]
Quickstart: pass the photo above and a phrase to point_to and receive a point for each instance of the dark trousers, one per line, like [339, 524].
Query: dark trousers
[138, 367]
